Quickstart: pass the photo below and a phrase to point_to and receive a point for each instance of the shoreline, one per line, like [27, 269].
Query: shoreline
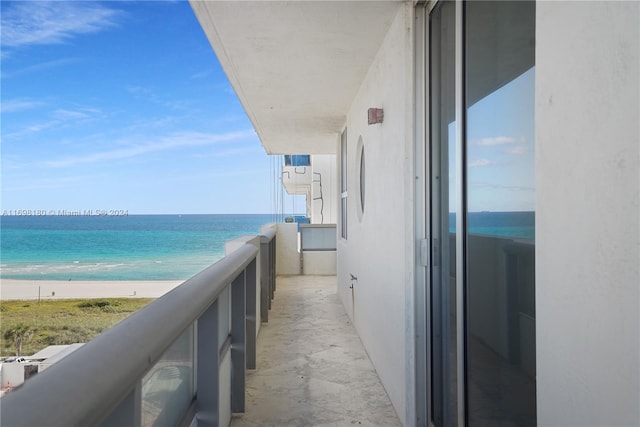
[18, 289]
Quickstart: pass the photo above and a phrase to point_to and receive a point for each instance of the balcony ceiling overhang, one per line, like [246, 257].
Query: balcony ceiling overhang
[296, 66]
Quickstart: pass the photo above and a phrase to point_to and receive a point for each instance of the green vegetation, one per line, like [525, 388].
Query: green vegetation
[27, 327]
[18, 335]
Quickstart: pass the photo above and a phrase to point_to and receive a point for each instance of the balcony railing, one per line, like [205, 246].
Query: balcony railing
[180, 359]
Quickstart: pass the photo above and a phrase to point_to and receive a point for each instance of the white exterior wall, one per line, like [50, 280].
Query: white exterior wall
[323, 199]
[379, 249]
[319, 263]
[587, 219]
[287, 255]
[12, 374]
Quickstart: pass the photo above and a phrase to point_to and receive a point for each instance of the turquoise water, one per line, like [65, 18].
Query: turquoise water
[156, 247]
[134, 247]
[515, 225]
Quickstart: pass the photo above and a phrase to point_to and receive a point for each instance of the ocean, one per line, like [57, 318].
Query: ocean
[133, 247]
[516, 225]
[156, 247]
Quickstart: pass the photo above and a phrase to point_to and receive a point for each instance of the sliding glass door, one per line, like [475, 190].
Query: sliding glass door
[442, 152]
[482, 214]
[442, 155]
[500, 190]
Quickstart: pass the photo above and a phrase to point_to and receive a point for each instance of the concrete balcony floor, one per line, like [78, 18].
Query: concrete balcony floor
[312, 367]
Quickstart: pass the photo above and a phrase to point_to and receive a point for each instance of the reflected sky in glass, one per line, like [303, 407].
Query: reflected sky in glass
[501, 148]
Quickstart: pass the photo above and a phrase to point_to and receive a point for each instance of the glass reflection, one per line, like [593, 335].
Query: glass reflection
[168, 388]
[500, 341]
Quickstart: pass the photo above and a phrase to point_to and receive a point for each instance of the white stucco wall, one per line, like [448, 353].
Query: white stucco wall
[319, 263]
[11, 374]
[323, 189]
[587, 219]
[287, 255]
[379, 249]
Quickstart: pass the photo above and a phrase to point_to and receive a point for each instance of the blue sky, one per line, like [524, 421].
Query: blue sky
[122, 105]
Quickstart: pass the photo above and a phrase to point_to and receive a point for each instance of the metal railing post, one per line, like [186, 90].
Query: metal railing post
[270, 262]
[251, 305]
[238, 342]
[208, 371]
[272, 267]
[265, 278]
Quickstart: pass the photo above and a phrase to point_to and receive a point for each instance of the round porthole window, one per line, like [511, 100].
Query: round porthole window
[361, 177]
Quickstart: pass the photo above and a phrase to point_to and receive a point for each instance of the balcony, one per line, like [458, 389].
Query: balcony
[312, 368]
[297, 175]
[190, 357]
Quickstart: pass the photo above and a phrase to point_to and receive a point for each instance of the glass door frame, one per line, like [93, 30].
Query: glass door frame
[431, 282]
[424, 205]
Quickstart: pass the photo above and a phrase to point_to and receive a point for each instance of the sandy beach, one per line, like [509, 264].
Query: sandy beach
[58, 289]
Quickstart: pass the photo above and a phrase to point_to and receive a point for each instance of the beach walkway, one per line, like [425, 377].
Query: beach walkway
[312, 369]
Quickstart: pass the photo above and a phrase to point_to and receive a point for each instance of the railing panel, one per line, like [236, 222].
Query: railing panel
[128, 412]
[167, 389]
[318, 237]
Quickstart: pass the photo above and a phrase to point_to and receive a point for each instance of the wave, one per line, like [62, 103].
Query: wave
[144, 247]
[141, 269]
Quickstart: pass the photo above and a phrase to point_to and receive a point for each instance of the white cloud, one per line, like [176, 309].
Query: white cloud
[138, 90]
[42, 66]
[518, 150]
[231, 152]
[201, 75]
[170, 142]
[43, 22]
[58, 118]
[480, 163]
[31, 129]
[150, 95]
[64, 114]
[14, 105]
[496, 140]
[478, 184]
[48, 183]
[142, 125]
